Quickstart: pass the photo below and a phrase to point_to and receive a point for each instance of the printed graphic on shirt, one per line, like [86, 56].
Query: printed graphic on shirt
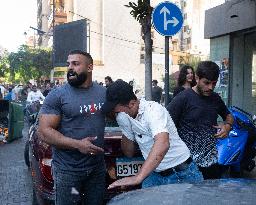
[201, 143]
[91, 109]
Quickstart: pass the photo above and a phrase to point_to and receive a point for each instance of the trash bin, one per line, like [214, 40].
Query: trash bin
[16, 121]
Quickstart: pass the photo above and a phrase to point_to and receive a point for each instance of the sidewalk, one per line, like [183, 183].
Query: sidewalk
[15, 180]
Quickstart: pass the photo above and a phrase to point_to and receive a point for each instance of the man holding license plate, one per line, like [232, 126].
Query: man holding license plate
[147, 123]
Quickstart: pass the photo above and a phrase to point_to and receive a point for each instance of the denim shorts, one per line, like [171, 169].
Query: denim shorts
[189, 175]
[85, 187]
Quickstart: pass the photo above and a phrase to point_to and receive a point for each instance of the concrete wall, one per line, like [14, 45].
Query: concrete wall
[115, 41]
[239, 48]
[230, 17]
[227, 26]
[92, 10]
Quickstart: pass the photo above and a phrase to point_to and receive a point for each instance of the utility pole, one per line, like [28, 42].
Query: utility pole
[53, 37]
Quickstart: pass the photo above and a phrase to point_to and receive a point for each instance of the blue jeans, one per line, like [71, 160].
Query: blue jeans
[72, 188]
[189, 175]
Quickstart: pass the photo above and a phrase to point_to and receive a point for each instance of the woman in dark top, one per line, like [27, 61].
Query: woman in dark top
[186, 79]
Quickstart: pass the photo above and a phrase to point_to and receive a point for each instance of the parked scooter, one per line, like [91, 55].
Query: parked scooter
[237, 151]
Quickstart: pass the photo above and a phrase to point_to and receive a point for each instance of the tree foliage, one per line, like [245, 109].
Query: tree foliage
[140, 11]
[25, 64]
[4, 66]
[192, 60]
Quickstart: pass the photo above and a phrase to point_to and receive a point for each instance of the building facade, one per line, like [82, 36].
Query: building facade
[115, 40]
[232, 37]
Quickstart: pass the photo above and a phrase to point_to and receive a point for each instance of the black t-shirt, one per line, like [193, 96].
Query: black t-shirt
[194, 117]
[177, 90]
[156, 93]
[46, 92]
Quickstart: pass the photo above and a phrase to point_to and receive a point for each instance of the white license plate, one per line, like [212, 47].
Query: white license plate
[128, 166]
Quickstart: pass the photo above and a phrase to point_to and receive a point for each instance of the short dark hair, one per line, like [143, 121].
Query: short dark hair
[208, 70]
[183, 75]
[154, 81]
[119, 92]
[87, 55]
[109, 79]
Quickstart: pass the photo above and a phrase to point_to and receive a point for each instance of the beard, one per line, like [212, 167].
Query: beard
[78, 80]
[202, 92]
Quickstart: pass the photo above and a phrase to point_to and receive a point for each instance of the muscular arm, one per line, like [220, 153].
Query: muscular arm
[48, 128]
[48, 124]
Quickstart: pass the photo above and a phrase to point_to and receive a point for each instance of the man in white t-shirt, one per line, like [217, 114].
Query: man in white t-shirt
[167, 158]
[35, 95]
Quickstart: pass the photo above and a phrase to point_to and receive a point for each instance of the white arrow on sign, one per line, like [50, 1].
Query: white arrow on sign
[174, 20]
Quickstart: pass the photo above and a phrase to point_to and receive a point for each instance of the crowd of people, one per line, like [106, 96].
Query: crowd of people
[178, 143]
[12, 92]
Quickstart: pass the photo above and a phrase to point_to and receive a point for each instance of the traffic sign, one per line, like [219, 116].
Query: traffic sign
[167, 18]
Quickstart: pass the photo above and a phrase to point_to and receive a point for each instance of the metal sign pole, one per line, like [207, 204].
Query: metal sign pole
[167, 20]
[166, 79]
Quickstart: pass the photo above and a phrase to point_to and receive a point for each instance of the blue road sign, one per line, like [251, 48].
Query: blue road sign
[167, 18]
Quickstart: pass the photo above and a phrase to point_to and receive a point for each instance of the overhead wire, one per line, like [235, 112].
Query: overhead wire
[113, 37]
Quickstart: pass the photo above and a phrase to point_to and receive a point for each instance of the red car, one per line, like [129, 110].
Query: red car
[38, 157]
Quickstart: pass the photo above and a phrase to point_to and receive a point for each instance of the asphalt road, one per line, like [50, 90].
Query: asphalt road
[15, 180]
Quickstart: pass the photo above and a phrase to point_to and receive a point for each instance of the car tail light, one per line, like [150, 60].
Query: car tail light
[45, 167]
[111, 168]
